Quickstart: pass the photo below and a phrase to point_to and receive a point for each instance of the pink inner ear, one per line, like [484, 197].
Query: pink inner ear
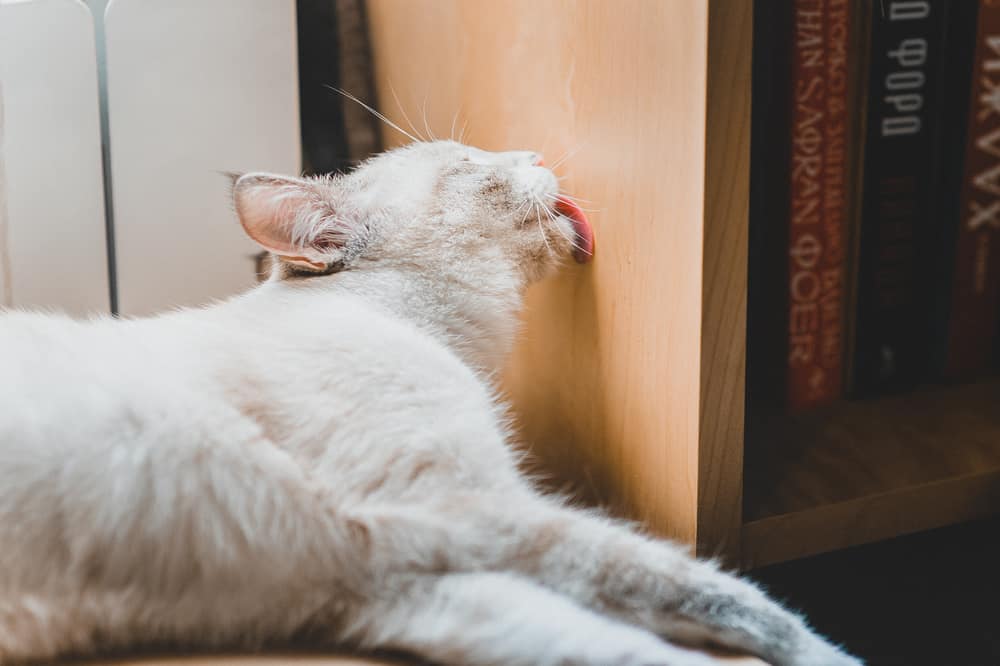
[268, 207]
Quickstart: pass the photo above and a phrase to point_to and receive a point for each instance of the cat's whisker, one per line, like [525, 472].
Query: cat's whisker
[575, 198]
[402, 110]
[559, 160]
[461, 135]
[552, 218]
[375, 113]
[454, 119]
[559, 229]
[538, 220]
[565, 157]
[426, 126]
[569, 154]
[588, 210]
[517, 210]
[555, 223]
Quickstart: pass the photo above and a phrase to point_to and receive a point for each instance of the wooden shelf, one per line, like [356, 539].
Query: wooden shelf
[867, 470]
[320, 660]
[628, 379]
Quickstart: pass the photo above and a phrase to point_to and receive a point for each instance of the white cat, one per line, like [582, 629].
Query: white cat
[323, 457]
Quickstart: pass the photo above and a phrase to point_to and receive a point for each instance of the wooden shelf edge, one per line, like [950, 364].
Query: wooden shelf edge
[867, 519]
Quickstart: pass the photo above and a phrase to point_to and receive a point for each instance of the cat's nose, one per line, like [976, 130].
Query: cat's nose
[538, 160]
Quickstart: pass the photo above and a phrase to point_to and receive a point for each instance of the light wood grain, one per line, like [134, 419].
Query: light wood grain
[270, 660]
[861, 471]
[607, 381]
[315, 660]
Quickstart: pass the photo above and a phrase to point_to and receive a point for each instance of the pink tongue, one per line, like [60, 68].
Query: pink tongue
[584, 250]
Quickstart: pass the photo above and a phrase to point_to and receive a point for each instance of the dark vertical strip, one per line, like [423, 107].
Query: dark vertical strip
[898, 192]
[97, 9]
[767, 279]
[324, 144]
[362, 132]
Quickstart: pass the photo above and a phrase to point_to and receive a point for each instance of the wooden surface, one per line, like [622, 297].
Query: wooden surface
[314, 660]
[607, 380]
[724, 286]
[275, 660]
[868, 470]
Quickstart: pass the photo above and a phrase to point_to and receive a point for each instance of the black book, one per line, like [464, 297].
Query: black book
[767, 312]
[899, 228]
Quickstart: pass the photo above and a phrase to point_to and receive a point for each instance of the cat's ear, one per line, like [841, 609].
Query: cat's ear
[291, 217]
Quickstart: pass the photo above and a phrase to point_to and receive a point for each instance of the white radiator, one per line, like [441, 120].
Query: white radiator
[194, 88]
[52, 234]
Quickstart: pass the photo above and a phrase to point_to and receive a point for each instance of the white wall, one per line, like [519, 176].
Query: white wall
[195, 87]
[52, 232]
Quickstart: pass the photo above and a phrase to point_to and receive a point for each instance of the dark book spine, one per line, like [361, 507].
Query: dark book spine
[975, 290]
[817, 196]
[898, 190]
[956, 82]
[767, 311]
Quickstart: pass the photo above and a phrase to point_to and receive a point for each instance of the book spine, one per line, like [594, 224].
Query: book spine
[816, 239]
[768, 241]
[892, 327]
[975, 292]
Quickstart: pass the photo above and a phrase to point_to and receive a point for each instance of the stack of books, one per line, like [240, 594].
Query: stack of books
[875, 197]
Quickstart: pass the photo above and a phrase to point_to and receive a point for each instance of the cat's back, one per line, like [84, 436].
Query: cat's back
[74, 380]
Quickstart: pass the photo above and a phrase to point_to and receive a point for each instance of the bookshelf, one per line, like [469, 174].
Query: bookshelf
[630, 378]
[861, 471]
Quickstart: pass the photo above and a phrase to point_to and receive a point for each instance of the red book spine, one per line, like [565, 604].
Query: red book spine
[817, 243]
[972, 326]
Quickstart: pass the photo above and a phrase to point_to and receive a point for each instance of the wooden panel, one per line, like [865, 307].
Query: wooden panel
[606, 381]
[52, 231]
[724, 289]
[867, 470]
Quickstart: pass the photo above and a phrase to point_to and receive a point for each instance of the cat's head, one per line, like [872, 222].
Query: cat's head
[427, 207]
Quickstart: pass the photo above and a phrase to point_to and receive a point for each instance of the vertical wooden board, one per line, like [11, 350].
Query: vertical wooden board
[724, 291]
[606, 379]
[195, 87]
[52, 233]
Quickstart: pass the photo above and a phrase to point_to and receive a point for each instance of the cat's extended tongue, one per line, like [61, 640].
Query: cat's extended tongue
[584, 249]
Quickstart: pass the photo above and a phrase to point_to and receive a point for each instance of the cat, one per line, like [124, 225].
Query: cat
[325, 457]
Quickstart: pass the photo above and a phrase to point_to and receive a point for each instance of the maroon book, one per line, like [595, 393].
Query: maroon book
[975, 290]
[817, 196]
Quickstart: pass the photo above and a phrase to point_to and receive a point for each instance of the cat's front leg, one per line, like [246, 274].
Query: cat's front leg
[494, 619]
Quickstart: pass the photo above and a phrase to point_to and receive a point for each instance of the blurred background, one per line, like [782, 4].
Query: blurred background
[132, 111]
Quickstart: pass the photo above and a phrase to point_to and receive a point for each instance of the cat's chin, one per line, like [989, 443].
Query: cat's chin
[583, 248]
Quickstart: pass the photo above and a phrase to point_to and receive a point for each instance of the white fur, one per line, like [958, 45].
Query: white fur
[324, 456]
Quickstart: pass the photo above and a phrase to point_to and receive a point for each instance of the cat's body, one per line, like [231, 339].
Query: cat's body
[324, 455]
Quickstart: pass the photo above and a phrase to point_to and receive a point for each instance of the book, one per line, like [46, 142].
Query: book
[818, 180]
[895, 243]
[956, 82]
[767, 313]
[972, 323]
